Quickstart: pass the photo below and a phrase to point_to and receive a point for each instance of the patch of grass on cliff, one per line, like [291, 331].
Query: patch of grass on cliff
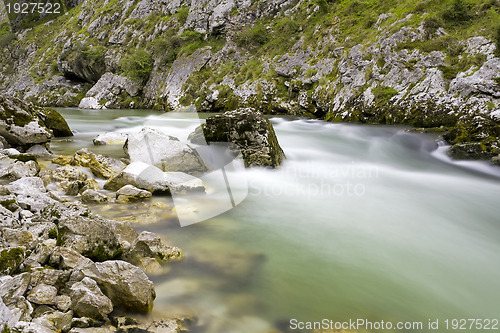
[383, 95]
[138, 65]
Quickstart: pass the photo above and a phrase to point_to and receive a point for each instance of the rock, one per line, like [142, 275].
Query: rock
[7, 218]
[49, 277]
[111, 91]
[12, 169]
[150, 266]
[43, 294]
[125, 284]
[163, 151]
[131, 193]
[54, 121]
[68, 173]
[251, 132]
[66, 258]
[152, 179]
[91, 236]
[7, 319]
[55, 321]
[23, 124]
[31, 327]
[63, 160]
[11, 259]
[91, 196]
[13, 288]
[110, 138]
[101, 166]
[19, 238]
[63, 302]
[482, 81]
[39, 151]
[87, 300]
[81, 62]
[31, 194]
[150, 245]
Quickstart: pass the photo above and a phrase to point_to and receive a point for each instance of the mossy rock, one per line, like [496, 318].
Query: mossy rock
[11, 259]
[54, 121]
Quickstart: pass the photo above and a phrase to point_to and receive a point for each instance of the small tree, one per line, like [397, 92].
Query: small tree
[138, 65]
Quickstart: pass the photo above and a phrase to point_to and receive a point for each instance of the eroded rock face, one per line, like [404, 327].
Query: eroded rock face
[111, 91]
[163, 151]
[23, 124]
[251, 132]
[125, 284]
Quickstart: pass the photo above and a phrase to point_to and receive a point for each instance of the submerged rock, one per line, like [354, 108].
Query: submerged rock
[251, 132]
[131, 193]
[469, 151]
[163, 151]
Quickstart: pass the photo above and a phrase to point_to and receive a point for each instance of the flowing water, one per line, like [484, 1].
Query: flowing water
[367, 222]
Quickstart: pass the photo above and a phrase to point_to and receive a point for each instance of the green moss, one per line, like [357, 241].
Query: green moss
[10, 259]
[53, 233]
[383, 94]
[10, 204]
[23, 157]
[101, 253]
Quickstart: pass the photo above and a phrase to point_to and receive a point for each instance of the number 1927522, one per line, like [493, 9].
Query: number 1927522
[471, 324]
[33, 7]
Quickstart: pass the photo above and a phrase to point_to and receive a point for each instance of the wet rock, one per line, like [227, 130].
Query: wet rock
[110, 138]
[39, 151]
[43, 294]
[150, 266]
[251, 132]
[68, 173]
[101, 166]
[87, 300]
[131, 193]
[125, 284]
[469, 151]
[91, 196]
[150, 245]
[163, 151]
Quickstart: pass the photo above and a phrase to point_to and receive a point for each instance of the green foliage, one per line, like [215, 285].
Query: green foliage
[6, 39]
[253, 37]
[497, 41]
[460, 12]
[182, 15]
[383, 94]
[138, 65]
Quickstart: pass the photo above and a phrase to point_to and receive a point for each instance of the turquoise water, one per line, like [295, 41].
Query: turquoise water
[359, 222]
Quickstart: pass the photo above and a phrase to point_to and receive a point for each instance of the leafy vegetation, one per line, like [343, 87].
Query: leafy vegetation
[138, 65]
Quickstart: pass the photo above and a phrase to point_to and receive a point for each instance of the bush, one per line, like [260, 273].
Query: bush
[383, 94]
[253, 37]
[138, 65]
[460, 12]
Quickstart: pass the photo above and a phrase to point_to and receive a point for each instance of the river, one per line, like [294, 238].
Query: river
[360, 221]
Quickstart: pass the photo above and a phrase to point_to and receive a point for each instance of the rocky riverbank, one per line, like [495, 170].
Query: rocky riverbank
[67, 269]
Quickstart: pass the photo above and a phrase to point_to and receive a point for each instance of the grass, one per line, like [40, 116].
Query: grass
[138, 65]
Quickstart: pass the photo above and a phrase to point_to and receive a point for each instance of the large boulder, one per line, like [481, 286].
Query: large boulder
[101, 166]
[126, 285]
[251, 131]
[23, 124]
[163, 151]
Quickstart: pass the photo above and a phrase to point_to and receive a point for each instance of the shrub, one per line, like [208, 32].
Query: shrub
[253, 37]
[138, 65]
[460, 12]
[383, 94]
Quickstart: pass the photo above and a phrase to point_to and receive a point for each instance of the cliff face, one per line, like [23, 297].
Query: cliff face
[426, 64]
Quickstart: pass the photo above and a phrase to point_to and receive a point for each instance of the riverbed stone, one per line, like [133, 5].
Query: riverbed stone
[87, 300]
[251, 131]
[63, 160]
[66, 258]
[101, 166]
[166, 152]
